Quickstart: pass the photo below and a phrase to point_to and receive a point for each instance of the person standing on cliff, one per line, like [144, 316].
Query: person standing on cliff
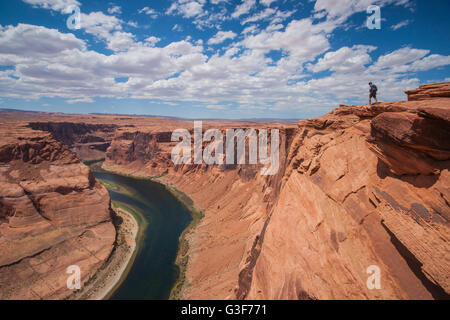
[373, 93]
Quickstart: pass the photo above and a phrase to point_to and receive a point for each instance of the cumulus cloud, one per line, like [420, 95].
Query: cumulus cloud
[149, 11]
[301, 40]
[221, 36]
[400, 57]
[24, 40]
[267, 3]
[56, 5]
[341, 10]
[187, 8]
[104, 27]
[244, 8]
[115, 10]
[107, 28]
[271, 65]
[344, 60]
[267, 13]
[430, 62]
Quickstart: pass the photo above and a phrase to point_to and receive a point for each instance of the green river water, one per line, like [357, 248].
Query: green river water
[162, 218]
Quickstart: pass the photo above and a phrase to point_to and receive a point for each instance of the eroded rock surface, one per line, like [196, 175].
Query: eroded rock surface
[361, 186]
[366, 185]
[53, 214]
[430, 91]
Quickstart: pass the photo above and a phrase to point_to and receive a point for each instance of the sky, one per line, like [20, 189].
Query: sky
[232, 59]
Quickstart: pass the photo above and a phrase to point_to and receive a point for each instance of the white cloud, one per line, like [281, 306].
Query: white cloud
[149, 11]
[430, 62]
[56, 5]
[244, 8]
[400, 25]
[105, 27]
[267, 3]
[216, 107]
[274, 27]
[301, 39]
[340, 10]
[152, 40]
[400, 57]
[250, 30]
[187, 8]
[268, 12]
[344, 60]
[177, 27]
[115, 10]
[25, 40]
[79, 100]
[49, 63]
[221, 36]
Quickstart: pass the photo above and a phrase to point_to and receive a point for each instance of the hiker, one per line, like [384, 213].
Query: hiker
[373, 93]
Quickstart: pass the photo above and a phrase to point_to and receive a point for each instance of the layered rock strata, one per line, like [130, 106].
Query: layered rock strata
[53, 214]
[362, 187]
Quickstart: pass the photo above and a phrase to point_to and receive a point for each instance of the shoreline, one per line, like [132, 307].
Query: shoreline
[182, 257]
[103, 284]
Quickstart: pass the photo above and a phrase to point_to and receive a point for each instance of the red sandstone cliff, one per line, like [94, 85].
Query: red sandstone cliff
[53, 214]
[365, 186]
[430, 91]
[360, 186]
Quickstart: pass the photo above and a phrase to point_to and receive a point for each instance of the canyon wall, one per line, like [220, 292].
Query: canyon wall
[53, 214]
[88, 140]
[235, 199]
[362, 187]
[366, 186]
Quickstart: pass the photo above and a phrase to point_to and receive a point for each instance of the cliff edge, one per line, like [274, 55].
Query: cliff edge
[53, 214]
[362, 187]
[365, 186]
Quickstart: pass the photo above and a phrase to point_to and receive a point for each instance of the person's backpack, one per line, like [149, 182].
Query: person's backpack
[374, 88]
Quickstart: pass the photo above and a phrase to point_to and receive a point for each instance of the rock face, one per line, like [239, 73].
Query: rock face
[362, 187]
[150, 149]
[53, 214]
[88, 140]
[359, 192]
[430, 91]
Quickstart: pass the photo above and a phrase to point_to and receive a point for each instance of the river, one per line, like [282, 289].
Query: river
[162, 218]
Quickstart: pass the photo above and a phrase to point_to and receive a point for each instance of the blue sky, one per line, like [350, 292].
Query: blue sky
[216, 58]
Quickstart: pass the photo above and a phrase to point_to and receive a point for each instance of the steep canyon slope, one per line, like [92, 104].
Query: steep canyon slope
[361, 186]
[53, 214]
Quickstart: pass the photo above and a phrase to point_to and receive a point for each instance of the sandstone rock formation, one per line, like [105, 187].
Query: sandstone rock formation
[88, 141]
[430, 91]
[361, 186]
[366, 192]
[53, 214]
